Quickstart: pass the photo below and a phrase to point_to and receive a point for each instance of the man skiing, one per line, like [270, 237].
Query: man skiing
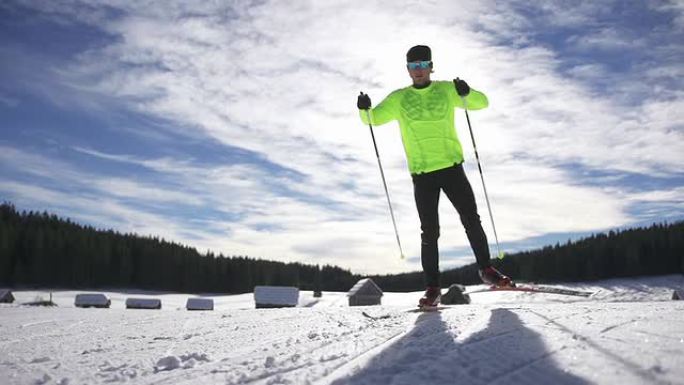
[425, 111]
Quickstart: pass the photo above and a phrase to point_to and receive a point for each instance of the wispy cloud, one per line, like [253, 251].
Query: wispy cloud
[8, 100]
[293, 175]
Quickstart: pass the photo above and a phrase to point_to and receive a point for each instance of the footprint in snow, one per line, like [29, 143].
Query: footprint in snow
[185, 361]
[167, 363]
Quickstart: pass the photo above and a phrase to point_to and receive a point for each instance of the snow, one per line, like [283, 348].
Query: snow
[629, 332]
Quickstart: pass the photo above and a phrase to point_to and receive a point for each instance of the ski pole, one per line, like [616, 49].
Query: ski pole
[384, 183]
[500, 255]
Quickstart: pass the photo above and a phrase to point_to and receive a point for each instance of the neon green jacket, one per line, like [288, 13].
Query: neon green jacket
[426, 120]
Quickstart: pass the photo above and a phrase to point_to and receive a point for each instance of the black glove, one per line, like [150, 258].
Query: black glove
[462, 88]
[363, 103]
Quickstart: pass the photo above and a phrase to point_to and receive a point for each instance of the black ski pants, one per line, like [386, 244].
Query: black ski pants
[427, 188]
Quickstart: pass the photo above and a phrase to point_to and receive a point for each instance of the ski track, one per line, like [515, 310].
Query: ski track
[581, 342]
[476, 344]
[647, 375]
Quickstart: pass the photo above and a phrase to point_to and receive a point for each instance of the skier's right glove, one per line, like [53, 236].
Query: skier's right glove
[363, 102]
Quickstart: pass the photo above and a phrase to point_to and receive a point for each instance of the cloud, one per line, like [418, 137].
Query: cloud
[94, 210]
[9, 101]
[293, 226]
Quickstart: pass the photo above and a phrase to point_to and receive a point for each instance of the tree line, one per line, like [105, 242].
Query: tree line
[42, 250]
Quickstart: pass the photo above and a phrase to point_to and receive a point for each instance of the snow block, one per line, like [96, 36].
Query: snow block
[6, 296]
[455, 295]
[678, 295]
[275, 296]
[365, 293]
[143, 303]
[92, 300]
[200, 304]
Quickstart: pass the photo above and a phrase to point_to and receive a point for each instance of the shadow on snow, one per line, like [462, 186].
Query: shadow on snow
[505, 352]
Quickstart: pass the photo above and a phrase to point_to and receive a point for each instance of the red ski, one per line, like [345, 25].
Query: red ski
[535, 289]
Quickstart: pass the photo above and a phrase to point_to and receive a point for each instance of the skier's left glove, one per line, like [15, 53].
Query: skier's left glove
[363, 102]
[462, 88]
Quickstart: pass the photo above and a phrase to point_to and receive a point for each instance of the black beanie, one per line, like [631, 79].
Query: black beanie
[419, 53]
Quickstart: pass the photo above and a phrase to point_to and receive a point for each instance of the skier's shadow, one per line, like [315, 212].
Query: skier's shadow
[505, 352]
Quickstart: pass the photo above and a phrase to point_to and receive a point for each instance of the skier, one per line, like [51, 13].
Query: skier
[425, 111]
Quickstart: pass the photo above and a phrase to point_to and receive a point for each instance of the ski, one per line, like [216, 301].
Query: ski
[527, 288]
[423, 309]
[535, 289]
[376, 317]
[427, 309]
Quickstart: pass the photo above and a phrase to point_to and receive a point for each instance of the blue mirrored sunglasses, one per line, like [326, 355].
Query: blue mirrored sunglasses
[423, 65]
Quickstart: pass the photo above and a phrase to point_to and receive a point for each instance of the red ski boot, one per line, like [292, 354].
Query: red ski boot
[492, 276]
[430, 298]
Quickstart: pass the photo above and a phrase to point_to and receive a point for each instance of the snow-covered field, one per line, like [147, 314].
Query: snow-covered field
[630, 332]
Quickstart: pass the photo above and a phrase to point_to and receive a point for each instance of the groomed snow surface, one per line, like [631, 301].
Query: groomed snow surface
[630, 332]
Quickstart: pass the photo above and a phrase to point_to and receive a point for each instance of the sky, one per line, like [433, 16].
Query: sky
[232, 126]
